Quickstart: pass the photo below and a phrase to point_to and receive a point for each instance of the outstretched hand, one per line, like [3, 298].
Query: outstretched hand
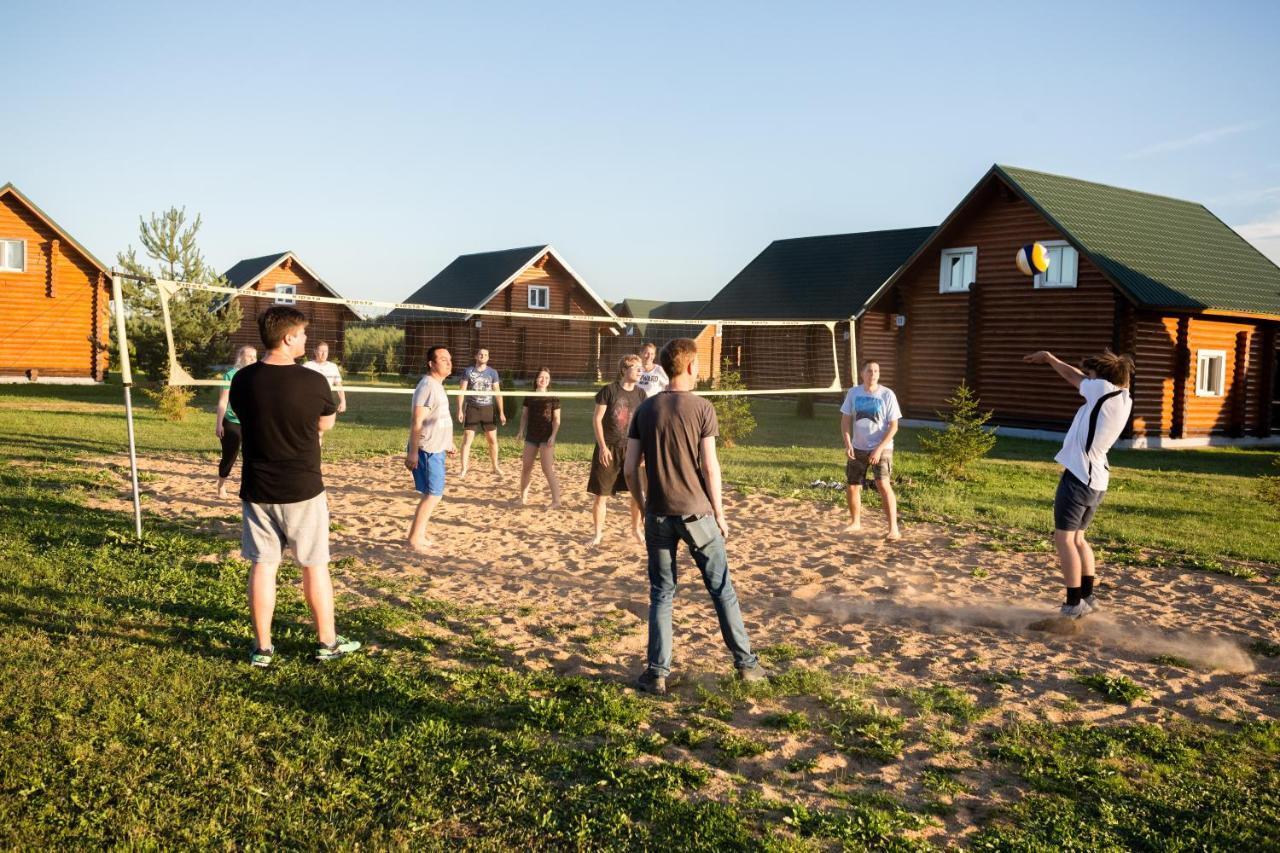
[1040, 357]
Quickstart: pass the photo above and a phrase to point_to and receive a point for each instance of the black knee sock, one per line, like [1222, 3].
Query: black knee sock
[1086, 586]
[1073, 596]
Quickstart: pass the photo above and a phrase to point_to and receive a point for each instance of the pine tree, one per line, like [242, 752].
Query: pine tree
[201, 334]
[1269, 487]
[964, 440]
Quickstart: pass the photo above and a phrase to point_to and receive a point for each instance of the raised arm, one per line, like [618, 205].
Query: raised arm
[1066, 371]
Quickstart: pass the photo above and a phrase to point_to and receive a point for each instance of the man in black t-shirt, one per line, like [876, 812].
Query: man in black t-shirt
[283, 408]
[615, 404]
[674, 434]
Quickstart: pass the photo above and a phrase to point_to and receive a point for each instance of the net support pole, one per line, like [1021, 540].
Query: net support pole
[126, 379]
[853, 351]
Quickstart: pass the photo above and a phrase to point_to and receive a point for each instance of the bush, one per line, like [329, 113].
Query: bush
[373, 348]
[1269, 488]
[734, 413]
[173, 402]
[964, 440]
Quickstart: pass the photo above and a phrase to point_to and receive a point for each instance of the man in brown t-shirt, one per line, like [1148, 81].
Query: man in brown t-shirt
[674, 432]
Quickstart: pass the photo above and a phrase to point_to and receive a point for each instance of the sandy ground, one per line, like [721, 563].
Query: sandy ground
[910, 614]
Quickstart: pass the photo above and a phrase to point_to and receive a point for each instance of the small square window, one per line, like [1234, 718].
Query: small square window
[285, 293]
[539, 297]
[1211, 373]
[959, 270]
[13, 255]
[1064, 262]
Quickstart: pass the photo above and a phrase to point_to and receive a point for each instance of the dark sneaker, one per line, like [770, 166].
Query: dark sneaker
[262, 657]
[650, 682]
[753, 674]
[340, 647]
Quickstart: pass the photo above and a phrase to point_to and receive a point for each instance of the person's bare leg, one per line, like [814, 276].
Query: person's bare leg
[468, 436]
[317, 589]
[890, 501]
[418, 540]
[1068, 557]
[527, 458]
[262, 601]
[637, 522]
[491, 436]
[853, 497]
[1085, 552]
[549, 470]
[598, 510]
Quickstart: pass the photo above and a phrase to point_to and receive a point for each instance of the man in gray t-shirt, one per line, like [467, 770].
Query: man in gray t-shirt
[430, 441]
[869, 421]
[674, 432]
[479, 412]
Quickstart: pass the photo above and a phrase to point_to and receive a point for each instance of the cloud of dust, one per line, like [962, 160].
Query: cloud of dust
[1205, 651]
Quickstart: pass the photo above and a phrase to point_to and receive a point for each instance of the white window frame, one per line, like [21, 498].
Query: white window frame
[1204, 358]
[282, 289]
[1041, 284]
[536, 289]
[4, 253]
[944, 269]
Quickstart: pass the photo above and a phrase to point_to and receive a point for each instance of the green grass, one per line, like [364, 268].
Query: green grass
[1165, 500]
[1118, 689]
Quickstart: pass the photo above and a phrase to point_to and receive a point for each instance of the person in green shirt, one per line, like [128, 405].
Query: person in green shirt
[227, 427]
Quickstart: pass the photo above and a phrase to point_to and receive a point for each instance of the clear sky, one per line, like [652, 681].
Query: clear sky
[659, 146]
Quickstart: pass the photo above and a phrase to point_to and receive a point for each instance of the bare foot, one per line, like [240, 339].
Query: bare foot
[524, 499]
[462, 475]
[421, 546]
[497, 472]
[222, 492]
[638, 534]
[554, 505]
[853, 528]
[893, 535]
[599, 537]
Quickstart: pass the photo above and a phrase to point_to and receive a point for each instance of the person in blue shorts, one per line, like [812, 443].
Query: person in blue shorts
[430, 441]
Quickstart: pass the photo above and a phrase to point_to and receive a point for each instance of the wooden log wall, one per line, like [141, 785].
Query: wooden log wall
[53, 315]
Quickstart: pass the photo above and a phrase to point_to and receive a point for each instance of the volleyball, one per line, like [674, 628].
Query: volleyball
[1032, 258]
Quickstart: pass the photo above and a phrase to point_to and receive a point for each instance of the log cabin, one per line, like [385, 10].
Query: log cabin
[286, 276]
[829, 277]
[54, 299]
[530, 280]
[1162, 279]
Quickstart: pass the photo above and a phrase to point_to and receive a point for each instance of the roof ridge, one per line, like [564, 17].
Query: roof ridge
[1004, 167]
[856, 233]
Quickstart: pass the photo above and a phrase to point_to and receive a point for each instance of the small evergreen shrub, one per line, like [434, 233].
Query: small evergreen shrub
[173, 402]
[964, 441]
[1269, 488]
[733, 413]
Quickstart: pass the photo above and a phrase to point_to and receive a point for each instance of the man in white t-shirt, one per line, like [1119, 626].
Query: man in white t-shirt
[1104, 384]
[869, 421]
[330, 371]
[653, 379]
[430, 440]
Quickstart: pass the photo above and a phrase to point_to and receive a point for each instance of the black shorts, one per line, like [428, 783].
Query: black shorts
[1074, 504]
[480, 417]
[607, 479]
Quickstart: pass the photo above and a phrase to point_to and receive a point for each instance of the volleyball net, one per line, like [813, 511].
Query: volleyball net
[382, 347]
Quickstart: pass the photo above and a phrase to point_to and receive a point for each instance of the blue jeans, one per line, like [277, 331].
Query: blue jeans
[662, 536]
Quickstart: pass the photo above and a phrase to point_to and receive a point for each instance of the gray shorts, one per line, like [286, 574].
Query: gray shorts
[268, 528]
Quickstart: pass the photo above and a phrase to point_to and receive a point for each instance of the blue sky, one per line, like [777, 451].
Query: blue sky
[658, 146]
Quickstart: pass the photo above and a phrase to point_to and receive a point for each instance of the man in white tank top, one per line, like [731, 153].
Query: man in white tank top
[1104, 384]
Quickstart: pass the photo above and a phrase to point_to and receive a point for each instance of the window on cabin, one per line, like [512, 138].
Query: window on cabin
[1064, 262]
[285, 293]
[13, 255]
[1211, 373]
[539, 297]
[959, 270]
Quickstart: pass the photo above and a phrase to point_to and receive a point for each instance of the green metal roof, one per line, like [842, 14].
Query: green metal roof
[1163, 252]
[815, 278]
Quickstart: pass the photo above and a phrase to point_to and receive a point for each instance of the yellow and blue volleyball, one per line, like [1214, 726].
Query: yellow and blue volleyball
[1032, 258]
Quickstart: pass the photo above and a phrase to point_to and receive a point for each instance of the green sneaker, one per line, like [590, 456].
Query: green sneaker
[340, 647]
[262, 657]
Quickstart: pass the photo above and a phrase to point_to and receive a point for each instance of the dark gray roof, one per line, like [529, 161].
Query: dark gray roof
[645, 308]
[815, 278]
[470, 279]
[250, 268]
